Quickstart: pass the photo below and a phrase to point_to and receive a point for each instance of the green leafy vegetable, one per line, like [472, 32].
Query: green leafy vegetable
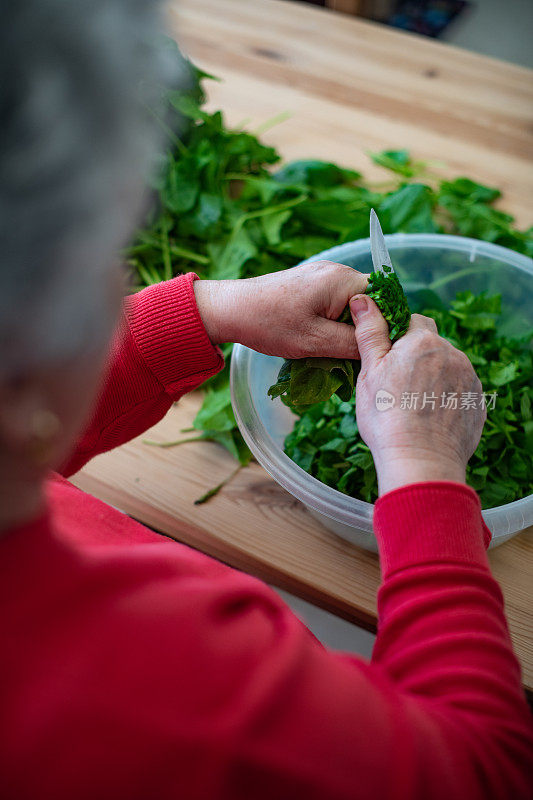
[399, 161]
[410, 209]
[468, 205]
[304, 381]
[223, 208]
[325, 442]
[216, 489]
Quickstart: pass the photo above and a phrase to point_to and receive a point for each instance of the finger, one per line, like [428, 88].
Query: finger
[357, 282]
[371, 330]
[337, 283]
[421, 323]
[337, 339]
[354, 283]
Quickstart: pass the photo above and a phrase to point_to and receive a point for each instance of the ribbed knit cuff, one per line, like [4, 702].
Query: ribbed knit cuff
[165, 323]
[438, 521]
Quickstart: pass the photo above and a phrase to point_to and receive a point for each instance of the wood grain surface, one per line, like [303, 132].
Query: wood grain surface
[351, 86]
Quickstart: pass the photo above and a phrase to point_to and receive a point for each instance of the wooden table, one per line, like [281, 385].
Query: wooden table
[351, 86]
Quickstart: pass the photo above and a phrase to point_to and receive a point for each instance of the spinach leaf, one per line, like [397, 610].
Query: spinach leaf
[399, 161]
[409, 209]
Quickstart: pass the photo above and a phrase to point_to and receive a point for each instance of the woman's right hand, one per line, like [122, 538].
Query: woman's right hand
[434, 440]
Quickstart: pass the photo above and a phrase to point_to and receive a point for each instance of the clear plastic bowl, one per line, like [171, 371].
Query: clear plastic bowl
[447, 263]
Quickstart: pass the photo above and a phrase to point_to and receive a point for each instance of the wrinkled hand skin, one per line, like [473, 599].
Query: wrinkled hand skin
[290, 313]
[415, 445]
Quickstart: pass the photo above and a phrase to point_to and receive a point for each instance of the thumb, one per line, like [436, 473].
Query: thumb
[371, 329]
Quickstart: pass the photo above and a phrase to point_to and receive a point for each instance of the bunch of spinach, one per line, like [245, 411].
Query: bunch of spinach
[304, 381]
[223, 208]
[325, 440]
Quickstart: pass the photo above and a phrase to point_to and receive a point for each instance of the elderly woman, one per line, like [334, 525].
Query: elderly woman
[132, 666]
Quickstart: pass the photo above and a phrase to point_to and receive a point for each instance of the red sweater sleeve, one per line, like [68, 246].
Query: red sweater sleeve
[439, 713]
[443, 642]
[160, 351]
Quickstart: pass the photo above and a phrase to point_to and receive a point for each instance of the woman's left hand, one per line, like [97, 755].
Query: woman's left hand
[290, 313]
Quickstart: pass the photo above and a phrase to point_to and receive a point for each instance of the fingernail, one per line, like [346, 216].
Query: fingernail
[359, 305]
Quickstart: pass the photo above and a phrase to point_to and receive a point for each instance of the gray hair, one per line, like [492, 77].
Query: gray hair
[76, 141]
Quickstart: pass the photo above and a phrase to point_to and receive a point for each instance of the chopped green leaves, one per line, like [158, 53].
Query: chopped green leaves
[386, 291]
[325, 443]
[501, 469]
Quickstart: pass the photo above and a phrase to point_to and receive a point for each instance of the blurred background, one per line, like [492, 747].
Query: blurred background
[495, 28]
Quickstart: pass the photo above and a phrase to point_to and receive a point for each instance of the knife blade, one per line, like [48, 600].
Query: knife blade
[378, 248]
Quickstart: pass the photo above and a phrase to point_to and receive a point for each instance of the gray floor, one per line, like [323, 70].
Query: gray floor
[498, 28]
[330, 630]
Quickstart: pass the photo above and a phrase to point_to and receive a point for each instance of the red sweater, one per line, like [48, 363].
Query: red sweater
[135, 667]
